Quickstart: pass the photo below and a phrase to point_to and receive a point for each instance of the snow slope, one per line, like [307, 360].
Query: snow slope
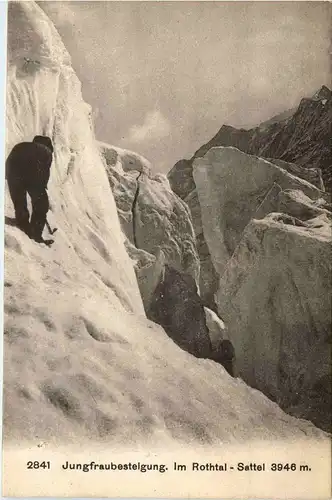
[80, 358]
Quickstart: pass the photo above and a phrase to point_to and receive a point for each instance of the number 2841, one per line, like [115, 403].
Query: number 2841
[38, 465]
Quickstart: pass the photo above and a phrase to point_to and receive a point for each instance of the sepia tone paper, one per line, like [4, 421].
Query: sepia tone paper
[58, 482]
[167, 284]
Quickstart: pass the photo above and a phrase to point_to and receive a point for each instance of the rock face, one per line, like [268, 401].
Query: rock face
[153, 218]
[312, 175]
[178, 308]
[269, 236]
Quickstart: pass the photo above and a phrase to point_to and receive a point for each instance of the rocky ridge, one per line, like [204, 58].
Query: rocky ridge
[301, 136]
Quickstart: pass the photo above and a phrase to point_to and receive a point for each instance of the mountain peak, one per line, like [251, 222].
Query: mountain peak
[323, 93]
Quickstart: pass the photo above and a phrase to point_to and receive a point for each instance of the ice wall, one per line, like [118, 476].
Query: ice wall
[231, 185]
[269, 236]
[153, 218]
[44, 97]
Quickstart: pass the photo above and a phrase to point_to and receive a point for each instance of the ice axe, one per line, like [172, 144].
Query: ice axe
[50, 230]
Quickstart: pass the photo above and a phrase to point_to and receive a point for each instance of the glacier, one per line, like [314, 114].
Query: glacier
[269, 236]
[153, 218]
[81, 360]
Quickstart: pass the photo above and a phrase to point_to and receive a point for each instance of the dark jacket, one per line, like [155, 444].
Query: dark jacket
[29, 163]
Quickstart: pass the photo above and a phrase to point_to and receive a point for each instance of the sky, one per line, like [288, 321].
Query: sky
[163, 77]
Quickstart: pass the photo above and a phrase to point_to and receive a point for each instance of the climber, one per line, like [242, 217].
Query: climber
[28, 171]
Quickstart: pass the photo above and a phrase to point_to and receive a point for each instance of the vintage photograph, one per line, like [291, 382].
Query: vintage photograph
[167, 249]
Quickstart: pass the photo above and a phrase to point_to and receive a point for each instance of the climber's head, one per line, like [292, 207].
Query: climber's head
[43, 139]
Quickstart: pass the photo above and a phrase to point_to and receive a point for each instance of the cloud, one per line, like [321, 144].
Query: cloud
[154, 127]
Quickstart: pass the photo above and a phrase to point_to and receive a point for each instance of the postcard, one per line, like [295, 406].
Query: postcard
[167, 250]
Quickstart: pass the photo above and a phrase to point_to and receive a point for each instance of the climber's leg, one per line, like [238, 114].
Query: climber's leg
[18, 194]
[40, 206]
